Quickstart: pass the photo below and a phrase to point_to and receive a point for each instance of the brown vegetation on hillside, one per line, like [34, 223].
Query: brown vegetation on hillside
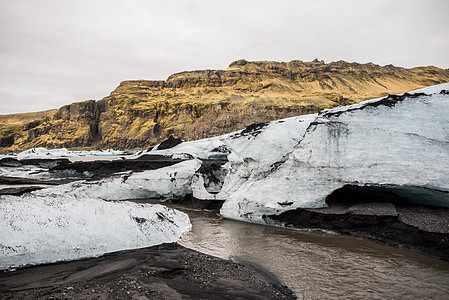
[198, 104]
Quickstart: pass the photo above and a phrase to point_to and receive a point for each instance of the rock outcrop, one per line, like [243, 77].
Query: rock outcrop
[199, 104]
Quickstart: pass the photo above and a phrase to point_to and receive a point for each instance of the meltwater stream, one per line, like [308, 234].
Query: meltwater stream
[321, 266]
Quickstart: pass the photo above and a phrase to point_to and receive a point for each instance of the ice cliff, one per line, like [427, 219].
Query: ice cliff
[400, 141]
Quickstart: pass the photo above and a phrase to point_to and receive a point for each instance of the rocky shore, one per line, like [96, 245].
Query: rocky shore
[167, 271]
[378, 214]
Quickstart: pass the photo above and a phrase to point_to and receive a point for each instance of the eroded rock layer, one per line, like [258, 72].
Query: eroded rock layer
[199, 104]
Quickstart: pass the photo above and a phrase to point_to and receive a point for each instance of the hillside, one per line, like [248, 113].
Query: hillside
[198, 104]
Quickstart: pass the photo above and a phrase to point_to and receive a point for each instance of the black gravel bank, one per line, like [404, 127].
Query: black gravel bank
[166, 271]
[382, 214]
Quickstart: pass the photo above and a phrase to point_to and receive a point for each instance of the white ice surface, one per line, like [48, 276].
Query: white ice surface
[251, 155]
[407, 144]
[253, 158]
[40, 229]
[63, 152]
[293, 161]
[168, 182]
[198, 149]
[28, 171]
[73, 220]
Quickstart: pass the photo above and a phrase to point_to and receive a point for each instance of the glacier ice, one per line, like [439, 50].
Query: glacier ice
[168, 182]
[63, 152]
[301, 160]
[73, 220]
[251, 154]
[270, 168]
[46, 229]
[405, 144]
[40, 169]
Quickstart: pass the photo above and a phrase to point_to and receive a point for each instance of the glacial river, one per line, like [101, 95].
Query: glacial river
[322, 266]
[317, 265]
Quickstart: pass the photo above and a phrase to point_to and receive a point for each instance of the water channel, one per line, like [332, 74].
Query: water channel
[320, 265]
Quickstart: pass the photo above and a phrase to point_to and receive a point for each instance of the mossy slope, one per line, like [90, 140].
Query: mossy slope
[199, 104]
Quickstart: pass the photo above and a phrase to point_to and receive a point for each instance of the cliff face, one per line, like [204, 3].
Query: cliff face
[199, 104]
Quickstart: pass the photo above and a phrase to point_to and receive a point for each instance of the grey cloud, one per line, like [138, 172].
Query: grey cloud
[56, 52]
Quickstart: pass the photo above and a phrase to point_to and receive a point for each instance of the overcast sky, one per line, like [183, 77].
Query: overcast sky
[55, 52]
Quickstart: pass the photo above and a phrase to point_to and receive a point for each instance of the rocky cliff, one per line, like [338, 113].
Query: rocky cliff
[198, 104]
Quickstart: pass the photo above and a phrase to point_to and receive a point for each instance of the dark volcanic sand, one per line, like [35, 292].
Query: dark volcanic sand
[413, 227]
[166, 271]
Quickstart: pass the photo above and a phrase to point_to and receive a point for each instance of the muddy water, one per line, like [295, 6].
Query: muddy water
[322, 266]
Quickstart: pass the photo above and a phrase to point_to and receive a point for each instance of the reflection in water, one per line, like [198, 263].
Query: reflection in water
[322, 266]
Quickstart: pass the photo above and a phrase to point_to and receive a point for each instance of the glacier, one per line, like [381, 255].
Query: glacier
[399, 141]
[83, 218]
[47, 229]
[165, 183]
[63, 152]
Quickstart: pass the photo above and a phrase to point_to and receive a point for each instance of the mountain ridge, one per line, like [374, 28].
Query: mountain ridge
[199, 104]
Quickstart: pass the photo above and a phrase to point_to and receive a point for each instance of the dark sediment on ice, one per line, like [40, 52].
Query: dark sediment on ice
[95, 167]
[389, 101]
[208, 205]
[17, 191]
[104, 168]
[208, 170]
[166, 271]
[40, 162]
[26, 185]
[27, 181]
[169, 143]
[384, 217]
